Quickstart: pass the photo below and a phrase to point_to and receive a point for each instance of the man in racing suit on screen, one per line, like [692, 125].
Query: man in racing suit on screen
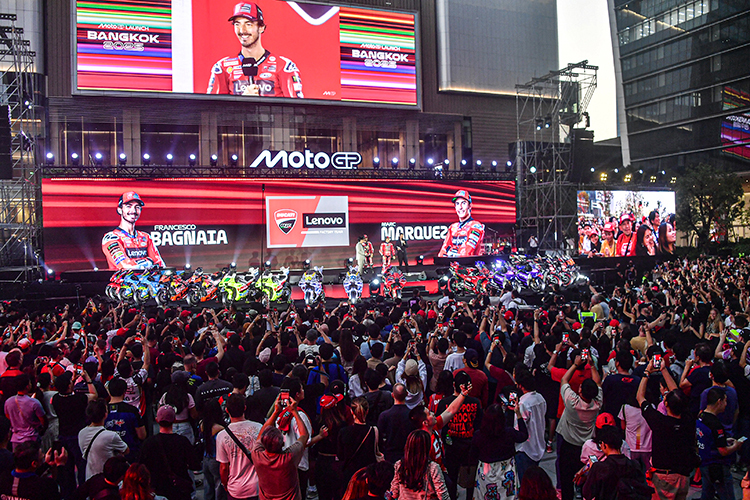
[254, 71]
[464, 238]
[125, 247]
[387, 252]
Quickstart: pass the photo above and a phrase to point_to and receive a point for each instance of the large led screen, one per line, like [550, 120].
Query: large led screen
[270, 49]
[212, 222]
[626, 223]
[735, 128]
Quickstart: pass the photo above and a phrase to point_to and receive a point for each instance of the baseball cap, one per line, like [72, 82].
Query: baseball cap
[614, 323]
[128, 197]
[604, 419]
[625, 217]
[184, 314]
[577, 325]
[24, 344]
[508, 316]
[462, 193]
[165, 414]
[411, 368]
[76, 326]
[284, 423]
[472, 358]
[609, 228]
[264, 355]
[248, 10]
[329, 401]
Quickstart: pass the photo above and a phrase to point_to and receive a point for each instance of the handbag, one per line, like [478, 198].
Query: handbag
[180, 484]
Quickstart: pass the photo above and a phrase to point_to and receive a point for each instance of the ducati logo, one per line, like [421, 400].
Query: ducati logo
[285, 219]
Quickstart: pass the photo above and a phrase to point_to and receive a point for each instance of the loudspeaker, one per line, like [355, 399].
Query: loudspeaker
[6, 163]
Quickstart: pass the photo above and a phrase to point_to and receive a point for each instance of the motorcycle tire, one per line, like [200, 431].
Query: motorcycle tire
[308, 298]
[161, 297]
[125, 294]
[108, 292]
[453, 286]
[536, 284]
[566, 278]
[397, 294]
[193, 297]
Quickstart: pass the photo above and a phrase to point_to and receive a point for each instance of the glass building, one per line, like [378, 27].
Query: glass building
[683, 82]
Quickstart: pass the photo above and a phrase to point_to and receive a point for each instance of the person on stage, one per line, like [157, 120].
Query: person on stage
[125, 247]
[401, 246]
[464, 238]
[626, 240]
[387, 252]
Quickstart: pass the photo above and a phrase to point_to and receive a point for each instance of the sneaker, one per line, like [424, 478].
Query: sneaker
[549, 447]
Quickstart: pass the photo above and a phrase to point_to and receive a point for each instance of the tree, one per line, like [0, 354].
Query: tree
[708, 201]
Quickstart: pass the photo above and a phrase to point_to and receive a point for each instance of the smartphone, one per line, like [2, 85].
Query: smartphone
[657, 361]
[742, 439]
[585, 355]
[566, 338]
[593, 459]
[57, 446]
[284, 398]
[505, 400]
[513, 399]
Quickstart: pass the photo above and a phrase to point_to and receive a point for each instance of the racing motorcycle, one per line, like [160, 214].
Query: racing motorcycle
[311, 284]
[467, 280]
[353, 285]
[236, 287]
[112, 290]
[130, 282]
[205, 287]
[393, 282]
[149, 286]
[274, 287]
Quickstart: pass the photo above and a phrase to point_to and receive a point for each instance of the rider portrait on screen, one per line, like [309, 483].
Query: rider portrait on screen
[125, 247]
[464, 238]
[255, 71]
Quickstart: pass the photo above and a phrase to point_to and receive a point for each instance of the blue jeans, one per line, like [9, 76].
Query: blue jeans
[523, 462]
[724, 489]
[212, 487]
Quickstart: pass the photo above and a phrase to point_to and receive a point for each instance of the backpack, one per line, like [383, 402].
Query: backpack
[632, 484]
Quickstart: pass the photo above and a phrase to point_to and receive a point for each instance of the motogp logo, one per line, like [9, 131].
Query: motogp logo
[285, 219]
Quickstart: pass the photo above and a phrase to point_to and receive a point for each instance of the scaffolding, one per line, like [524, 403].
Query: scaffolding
[547, 109]
[20, 198]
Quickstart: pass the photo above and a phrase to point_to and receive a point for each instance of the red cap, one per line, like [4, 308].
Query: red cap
[609, 228]
[24, 344]
[614, 323]
[329, 401]
[604, 419]
[431, 314]
[577, 325]
[248, 10]
[128, 197]
[462, 193]
[121, 332]
[284, 422]
[508, 315]
[184, 314]
[625, 217]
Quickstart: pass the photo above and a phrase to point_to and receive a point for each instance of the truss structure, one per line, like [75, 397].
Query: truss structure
[20, 234]
[547, 109]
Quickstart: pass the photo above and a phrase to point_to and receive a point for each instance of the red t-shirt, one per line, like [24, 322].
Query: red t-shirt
[503, 380]
[575, 382]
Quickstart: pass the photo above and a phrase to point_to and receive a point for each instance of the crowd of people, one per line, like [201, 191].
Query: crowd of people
[637, 390]
[626, 236]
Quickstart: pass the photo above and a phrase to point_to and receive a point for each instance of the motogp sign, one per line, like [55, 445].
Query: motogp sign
[298, 159]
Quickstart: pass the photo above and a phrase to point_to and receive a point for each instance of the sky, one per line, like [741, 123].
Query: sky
[583, 34]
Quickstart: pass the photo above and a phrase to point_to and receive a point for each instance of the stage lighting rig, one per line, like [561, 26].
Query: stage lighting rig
[420, 260]
[170, 159]
[394, 162]
[234, 160]
[191, 160]
[214, 160]
[376, 163]
[50, 158]
[123, 159]
[98, 159]
[146, 159]
[75, 159]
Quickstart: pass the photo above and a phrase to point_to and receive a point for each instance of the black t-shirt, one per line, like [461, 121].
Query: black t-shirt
[180, 456]
[741, 385]
[260, 403]
[700, 380]
[71, 412]
[617, 389]
[95, 486]
[465, 421]
[672, 441]
[211, 389]
[28, 486]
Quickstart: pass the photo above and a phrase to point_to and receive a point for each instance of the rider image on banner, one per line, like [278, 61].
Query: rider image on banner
[307, 221]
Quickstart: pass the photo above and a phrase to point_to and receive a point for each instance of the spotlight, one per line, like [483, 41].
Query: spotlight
[463, 162]
[187, 267]
[447, 161]
[412, 161]
[96, 269]
[532, 169]
[191, 160]
[267, 264]
[593, 169]
[50, 158]
[507, 163]
[640, 171]
[547, 122]
[98, 159]
[75, 159]
[214, 160]
[603, 177]
[652, 179]
[50, 274]
[394, 162]
[479, 163]
[430, 161]
[307, 262]
[374, 286]
[420, 260]
[233, 265]
[617, 170]
[348, 262]
[170, 159]
[376, 162]
[628, 177]
[146, 160]
[233, 160]
[673, 180]
[539, 123]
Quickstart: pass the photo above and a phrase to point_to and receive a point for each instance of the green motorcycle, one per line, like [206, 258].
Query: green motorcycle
[274, 287]
[237, 287]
